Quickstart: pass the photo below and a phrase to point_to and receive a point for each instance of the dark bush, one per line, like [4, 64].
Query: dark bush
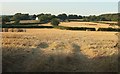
[25, 26]
[109, 29]
[55, 22]
[75, 28]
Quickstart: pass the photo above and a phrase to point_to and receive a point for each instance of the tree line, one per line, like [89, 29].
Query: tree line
[45, 18]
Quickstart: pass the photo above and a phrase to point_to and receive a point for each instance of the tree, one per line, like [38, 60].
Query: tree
[5, 19]
[80, 17]
[24, 17]
[74, 17]
[50, 17]
[17, 18]
[43, 18]
[32, 17]
[39, 15]
[17, 21]
[103, 19]
[62, 17]
[92, 18]
[55, 22]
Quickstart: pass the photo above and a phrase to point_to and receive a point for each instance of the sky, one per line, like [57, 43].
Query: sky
[59, 0]
[83, 7]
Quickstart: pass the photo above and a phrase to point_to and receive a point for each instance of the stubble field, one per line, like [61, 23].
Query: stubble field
[56, 50]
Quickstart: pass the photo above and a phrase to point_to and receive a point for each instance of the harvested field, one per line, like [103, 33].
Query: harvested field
[41, 50]
[48, 24]
[13, 30]
[25, 21]
[101, 24]
[110, 22]
[83, 24]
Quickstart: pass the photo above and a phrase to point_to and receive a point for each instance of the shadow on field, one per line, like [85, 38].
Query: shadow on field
[37, 60]
[43, 45]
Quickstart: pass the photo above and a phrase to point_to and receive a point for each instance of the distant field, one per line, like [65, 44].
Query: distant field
[87, 24]
[110, 22]
[83, 24]
[27, 21]
[101, 24]
[39, 50]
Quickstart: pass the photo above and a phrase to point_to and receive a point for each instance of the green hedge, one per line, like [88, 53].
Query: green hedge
[109, 29]
[58, 27]
[26, 23]
[25, 26]
[75, 28]
[62, 27]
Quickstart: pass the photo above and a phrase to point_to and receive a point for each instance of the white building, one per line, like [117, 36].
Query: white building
[36, 18]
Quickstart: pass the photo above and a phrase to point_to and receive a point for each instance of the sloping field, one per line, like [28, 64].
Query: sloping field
[75, 24]
[85, 24]
[110, 22]
[39, 50]
[47, 24]
[25, 21]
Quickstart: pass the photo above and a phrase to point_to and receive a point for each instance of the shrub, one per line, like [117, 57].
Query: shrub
[17, 21]
[5, 19]
[55, 22]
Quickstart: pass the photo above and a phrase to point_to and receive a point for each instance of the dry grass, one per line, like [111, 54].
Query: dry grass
[13, 30]
[82, 24]
[59, 50]
[110, 22]
[25, 21]
[85, 24]
[29, 21]
[76, 24]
